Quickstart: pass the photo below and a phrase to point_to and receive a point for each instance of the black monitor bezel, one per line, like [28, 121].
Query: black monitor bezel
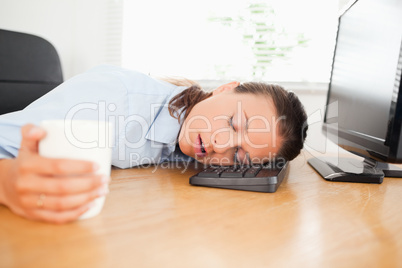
[360, 143]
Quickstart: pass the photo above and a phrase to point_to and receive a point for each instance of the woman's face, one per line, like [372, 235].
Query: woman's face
[229, 127]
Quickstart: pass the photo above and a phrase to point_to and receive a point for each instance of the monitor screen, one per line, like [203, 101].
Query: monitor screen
[365, 78]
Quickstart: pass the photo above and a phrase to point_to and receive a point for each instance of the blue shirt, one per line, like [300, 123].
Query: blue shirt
[136, 103]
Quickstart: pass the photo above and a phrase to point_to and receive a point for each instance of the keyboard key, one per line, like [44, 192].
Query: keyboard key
[232, 172]
[252, 172]
[213, 172]
[209, 172]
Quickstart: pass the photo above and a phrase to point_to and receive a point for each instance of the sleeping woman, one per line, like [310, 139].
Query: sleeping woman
[247, 123]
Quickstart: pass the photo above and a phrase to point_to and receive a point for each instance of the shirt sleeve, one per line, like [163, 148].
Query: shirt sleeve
[136, 103]
[94, 95]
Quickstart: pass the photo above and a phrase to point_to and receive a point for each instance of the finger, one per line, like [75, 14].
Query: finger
[61, 185]
[57, 167]
[59, 217]
[62, 203]
[31, 135]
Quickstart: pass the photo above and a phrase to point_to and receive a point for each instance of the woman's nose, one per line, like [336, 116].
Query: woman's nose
[225, 140]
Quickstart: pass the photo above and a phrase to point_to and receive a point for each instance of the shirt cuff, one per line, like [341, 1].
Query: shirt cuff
[5, 154]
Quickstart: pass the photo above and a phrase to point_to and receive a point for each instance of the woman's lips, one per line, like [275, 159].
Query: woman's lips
[199, 147]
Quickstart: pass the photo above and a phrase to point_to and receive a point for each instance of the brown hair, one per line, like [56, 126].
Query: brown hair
[290, 113]
[292, 126]
[187, 99]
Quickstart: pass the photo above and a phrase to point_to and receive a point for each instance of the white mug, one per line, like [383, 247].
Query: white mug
[83, 140]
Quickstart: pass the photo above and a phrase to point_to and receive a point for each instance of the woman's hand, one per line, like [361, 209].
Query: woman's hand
[51, 190]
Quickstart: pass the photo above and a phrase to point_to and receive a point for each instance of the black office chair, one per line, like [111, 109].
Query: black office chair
[29, 68]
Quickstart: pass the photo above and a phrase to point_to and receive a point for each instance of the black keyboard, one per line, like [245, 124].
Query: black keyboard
[259, 178]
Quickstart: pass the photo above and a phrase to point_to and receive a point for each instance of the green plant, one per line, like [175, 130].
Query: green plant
[263, 33]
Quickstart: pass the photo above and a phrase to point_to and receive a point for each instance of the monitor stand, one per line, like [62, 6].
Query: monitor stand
[364, 170]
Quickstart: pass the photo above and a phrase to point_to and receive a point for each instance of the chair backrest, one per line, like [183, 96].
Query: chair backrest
[29, 68]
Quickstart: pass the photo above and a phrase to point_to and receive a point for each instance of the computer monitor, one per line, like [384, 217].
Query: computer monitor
[364, 102]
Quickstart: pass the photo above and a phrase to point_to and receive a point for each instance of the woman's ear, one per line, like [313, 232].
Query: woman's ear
[225, 87]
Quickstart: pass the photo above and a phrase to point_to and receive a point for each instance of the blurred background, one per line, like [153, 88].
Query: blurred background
[289, 42]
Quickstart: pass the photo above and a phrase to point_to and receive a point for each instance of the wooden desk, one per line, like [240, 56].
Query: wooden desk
[154, 218]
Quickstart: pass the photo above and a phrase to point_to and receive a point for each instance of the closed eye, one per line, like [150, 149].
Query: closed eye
[235, 158]
[230, 122]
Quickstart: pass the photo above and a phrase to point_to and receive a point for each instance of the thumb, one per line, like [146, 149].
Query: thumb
[31, 135]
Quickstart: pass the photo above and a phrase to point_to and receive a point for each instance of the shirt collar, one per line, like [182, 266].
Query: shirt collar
[164, 128]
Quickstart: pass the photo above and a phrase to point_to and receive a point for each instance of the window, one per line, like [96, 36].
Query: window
[277, 40]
